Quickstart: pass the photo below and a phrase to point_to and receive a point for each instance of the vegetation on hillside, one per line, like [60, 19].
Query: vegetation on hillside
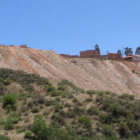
[64, 112]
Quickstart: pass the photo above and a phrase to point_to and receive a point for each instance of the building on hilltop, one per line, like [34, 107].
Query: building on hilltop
[23, 46]
[96, 54]
[135, 58]
[109, 56]
[89, 54]
[113, 56]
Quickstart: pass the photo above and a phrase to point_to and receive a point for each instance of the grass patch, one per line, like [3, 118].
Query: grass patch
[85, 121]
[2, 137]
[9, 101]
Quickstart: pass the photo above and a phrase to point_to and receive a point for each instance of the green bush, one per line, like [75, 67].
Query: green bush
[53, 116]
[14, 117]
[2, 123]
[78, 110]
[46, 112]
[50, 88]
[105, 118]
[124, 130]
[58, 119]
[58, 106]
[9, 100]
[8, 124]
[62, 87]
[20, 130]
[41, 100]
[104, 93]
[69, 84]
[54, 93]
[127, 97]
[11, 119]
[2, 80]
[101, 93]
[89, 100]
[108, 130]
[40, 129]
[134, 126]
[21, 96]
[58, 99]
[93, 111]
[85, 121]
[115, 109]
[28, 134]
[35, 109]
[2, 137]
[2, 88]
[70, 113]
[64, 94]
[49, 102]
[65, 133]
[91, 92]
[29, 88]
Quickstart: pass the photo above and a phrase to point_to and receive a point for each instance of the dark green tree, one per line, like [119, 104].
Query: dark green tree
[96, 48]
[119, 52]
[128, 51]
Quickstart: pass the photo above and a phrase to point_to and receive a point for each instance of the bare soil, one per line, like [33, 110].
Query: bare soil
[115, 76]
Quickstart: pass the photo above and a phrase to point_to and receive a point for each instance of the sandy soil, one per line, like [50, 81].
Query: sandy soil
[86, 73]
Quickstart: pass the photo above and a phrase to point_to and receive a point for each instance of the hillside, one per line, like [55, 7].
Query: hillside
[33, 109]
[115, 76]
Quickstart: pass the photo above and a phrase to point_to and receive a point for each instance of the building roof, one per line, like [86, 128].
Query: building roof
[89, 51]
[129, 56]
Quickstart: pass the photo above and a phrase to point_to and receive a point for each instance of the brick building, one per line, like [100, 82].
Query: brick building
[103, 57]
[89, 54]
[113, 56]
[23, 46]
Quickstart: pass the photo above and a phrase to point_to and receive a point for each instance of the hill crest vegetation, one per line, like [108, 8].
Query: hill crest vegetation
[33, 108]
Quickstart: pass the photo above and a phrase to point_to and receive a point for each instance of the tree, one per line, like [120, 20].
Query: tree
[128, 51]
[96, 48]
[119, 52]
[107, 52]
[137, 52]
[40, 128]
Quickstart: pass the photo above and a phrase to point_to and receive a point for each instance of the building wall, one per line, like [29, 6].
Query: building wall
[113, 56]
[136, 58]
[23, 46]
[95, 54]
[110, 56]
[89, 54]
[103, 57]
[120, 59]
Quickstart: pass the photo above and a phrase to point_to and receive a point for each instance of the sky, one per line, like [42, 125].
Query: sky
[70, 26]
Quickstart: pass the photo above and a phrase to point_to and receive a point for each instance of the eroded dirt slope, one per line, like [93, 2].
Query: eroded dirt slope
[87, 73]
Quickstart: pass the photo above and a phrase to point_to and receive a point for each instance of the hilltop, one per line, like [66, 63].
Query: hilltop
[87, 73]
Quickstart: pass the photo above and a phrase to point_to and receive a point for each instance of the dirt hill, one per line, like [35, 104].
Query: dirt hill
[119, 77]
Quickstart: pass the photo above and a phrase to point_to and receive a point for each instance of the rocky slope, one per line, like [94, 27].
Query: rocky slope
[119, 77]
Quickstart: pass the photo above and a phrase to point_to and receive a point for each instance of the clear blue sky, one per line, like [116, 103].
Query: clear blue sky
[68, 26]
